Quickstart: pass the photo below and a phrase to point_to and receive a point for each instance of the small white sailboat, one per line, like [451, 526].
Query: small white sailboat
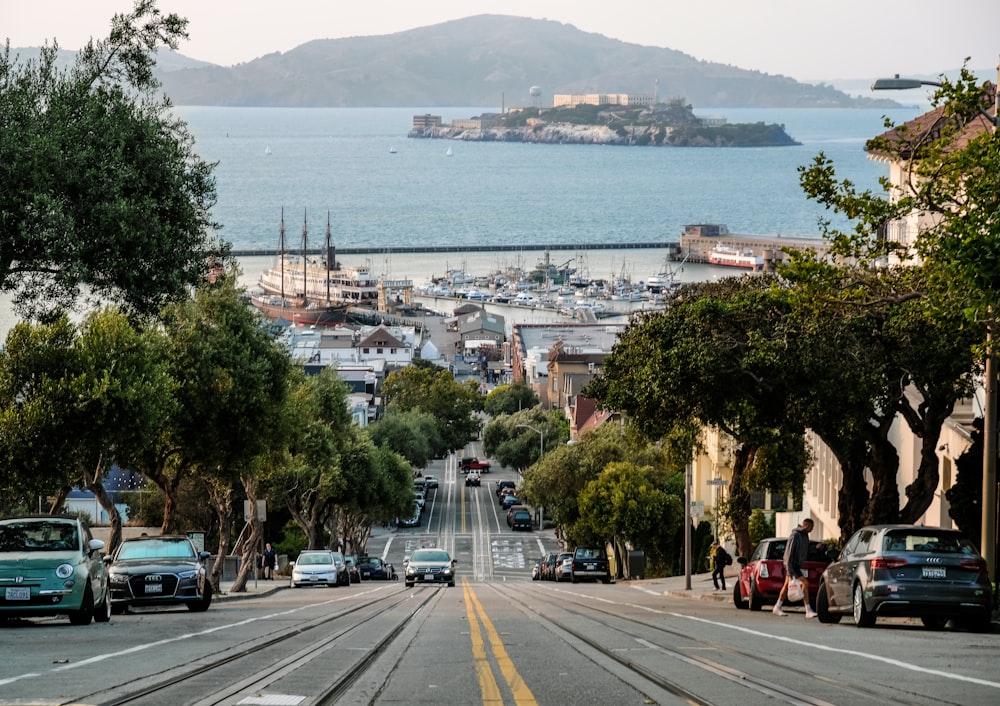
[392, 150]
[448, 152]
[267, 150]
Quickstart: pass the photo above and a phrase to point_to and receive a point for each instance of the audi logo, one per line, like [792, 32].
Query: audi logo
[153, 577]
[934, 560]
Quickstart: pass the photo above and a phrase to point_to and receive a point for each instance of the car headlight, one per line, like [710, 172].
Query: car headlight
[118, 578]
[188, 574]
[410, 571]
[64, 571]
[446, 571]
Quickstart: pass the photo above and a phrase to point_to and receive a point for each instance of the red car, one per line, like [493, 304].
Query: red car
[762, 577]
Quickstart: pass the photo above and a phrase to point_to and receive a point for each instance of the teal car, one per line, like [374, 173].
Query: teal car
[51, 565]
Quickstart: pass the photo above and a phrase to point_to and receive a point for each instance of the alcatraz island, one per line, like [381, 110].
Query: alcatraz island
[605, 119]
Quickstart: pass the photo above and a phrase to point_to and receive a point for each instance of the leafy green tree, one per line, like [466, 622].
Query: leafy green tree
[454, 405]
[508, 399]
[723, 354]
[412, 434]
[626, 505]
[102, 188]
[510, 441]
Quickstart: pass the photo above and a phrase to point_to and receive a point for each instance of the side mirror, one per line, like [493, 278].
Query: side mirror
[94, 545]
[742, 560]
[107, 559]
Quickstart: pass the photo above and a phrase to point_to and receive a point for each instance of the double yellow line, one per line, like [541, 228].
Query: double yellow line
[487, 682]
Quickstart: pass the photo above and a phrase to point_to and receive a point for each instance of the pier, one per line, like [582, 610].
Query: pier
[425, 249]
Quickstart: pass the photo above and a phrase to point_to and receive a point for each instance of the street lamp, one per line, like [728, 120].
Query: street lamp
[541, 438]
[988, 532]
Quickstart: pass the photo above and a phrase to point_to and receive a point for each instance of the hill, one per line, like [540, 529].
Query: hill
[486, 60]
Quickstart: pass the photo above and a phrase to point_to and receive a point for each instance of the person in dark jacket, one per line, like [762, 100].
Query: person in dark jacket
[720, 560]
[796, 553]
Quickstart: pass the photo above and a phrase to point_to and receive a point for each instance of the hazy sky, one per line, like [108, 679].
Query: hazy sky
[808, 40]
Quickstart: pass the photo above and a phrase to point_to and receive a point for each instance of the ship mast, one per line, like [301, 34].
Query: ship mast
[305, 261]
[329, 254]
[281, 253]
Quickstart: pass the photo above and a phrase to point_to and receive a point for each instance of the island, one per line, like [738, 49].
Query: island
[670, 124]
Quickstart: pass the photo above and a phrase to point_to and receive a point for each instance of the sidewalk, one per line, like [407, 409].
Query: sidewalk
[254, 589]
[702, 587]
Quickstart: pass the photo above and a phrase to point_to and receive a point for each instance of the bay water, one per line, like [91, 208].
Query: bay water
[380, 189]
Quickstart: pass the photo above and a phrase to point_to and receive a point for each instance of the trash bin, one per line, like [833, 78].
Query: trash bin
[636, 564]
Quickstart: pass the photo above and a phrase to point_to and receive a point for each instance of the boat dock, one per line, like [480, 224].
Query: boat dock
[424, 249]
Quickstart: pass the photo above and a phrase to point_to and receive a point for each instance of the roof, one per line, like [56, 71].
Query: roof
[930, 125]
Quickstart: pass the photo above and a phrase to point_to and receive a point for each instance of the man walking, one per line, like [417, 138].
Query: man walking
[796, 553]
[720, 560]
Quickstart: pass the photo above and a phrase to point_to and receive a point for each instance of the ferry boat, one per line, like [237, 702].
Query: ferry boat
[731, 257]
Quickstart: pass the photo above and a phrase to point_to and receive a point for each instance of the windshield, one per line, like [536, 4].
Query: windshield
[156, 549]
[430, 555]
[319, 558]
[925, 541]
[39, 536]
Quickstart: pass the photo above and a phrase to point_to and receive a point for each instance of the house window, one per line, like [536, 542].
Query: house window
[392, 351]
[379, 350]
[367, 350]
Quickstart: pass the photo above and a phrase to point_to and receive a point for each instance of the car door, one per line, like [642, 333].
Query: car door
[840, 574]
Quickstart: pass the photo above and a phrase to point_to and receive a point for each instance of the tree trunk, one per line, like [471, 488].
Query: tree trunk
[927, 426]
[250, 544]
[59, 500]
[883, 505]
[738, 507]
[220, 497]
[114, 517]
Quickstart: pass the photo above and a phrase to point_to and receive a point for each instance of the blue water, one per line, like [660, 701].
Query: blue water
[338, 160]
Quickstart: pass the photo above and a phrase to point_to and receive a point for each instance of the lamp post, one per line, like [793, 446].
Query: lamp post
[988, 531]
[541, 438]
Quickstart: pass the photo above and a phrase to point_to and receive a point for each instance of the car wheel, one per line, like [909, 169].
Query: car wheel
[102, 613]
[408, 584]
[202, 604]
[862, 618]
[756, 600]
[738, 596]
[983, 623]
[934, 622]
[574, 579]
[118, 609]
[823, 606]
[451, 584]
[86, 612]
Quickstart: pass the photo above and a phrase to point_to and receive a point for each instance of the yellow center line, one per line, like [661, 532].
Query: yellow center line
[522, 694]
[487, 684]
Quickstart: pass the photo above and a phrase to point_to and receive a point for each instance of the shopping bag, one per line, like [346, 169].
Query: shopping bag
[795, 591]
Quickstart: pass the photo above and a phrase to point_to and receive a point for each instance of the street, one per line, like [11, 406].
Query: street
[496, 637]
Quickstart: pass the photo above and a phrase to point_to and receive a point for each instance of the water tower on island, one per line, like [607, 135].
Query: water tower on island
[535, 96]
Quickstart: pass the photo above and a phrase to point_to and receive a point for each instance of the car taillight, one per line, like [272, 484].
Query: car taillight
[762, 570]
[978, 565]
[888, 562]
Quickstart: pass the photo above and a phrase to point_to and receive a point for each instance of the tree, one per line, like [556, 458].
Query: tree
[412, 434]
[102, 188]
[510, 441]
[507, 399]
[453, 404]
[724, 355]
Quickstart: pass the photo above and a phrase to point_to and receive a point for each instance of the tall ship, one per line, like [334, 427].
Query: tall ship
[312, 289]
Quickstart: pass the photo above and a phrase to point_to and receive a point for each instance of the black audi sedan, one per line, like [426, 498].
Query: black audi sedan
[912, 571]
[155, 571]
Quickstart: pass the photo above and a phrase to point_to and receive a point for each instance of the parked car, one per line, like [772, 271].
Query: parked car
[763, 574]
[563, 570]
[372, 567]
[52, 565]
[163, 570]
[420, 498]
[412, 521]
[510, 513]
[318, 567]
[501, 484]
[930, 573]
[429, 566]
[352, 568]
[509, 500]
[548, 566]
[430, 482]
[521, 520]
[591, 564]
[472, 479]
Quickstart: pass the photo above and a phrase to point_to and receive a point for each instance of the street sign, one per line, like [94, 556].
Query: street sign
[697, 508]
[717, 481]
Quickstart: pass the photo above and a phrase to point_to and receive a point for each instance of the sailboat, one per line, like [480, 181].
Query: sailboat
[448, 152]
[308, 292]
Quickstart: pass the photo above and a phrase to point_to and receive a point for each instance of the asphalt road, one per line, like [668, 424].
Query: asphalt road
[496, 637]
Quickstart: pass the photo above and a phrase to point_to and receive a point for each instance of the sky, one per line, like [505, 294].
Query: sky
[807, 40]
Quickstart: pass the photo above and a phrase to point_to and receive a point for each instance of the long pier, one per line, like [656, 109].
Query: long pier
[424, 249]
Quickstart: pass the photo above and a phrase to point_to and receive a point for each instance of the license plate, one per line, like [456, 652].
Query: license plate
[365, 573]
[428, 577]
[591, 567]
[933, 572]
[18, 594]
[154, 588]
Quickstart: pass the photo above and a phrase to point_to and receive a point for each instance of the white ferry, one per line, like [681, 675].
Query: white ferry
[731, 257]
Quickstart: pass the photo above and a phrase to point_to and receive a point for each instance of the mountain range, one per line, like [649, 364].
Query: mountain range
[484, 60]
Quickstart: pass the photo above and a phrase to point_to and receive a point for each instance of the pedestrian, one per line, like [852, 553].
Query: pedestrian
[720, 560]
[270, 557]
[796, 553]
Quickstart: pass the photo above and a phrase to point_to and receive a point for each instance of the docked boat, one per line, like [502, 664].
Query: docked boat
[727, 256]
[313, 290]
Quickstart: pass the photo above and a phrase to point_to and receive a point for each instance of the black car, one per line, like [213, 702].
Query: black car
[521, 520]
[372, 567]
[930, 573]
[164, 570]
